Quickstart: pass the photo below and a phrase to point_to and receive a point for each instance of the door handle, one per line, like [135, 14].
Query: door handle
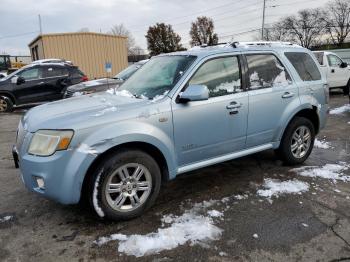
[287, 95]
[233, 105]
[332, 71]
[41, 83]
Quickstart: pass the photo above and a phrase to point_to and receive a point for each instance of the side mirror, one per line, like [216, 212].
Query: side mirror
[20, 80]
[343, 65]
[1, 76]
[194, 93]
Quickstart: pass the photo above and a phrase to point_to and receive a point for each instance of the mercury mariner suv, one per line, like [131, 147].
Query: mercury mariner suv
[179, 112]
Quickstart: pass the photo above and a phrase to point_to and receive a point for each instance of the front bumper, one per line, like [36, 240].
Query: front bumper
[63, 173]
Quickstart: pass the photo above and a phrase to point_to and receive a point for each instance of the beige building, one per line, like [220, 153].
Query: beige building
[89, 51]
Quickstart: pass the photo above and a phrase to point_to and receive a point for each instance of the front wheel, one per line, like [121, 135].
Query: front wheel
[297, 141]
[6, 104]
[125, 185]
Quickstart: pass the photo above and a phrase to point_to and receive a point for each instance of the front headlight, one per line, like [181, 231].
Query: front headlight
[47, 142]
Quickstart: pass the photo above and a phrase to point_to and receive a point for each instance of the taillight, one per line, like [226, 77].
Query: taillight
[326, 92]
[84, 79]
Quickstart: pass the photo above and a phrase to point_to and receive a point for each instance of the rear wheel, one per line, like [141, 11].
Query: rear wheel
[6, 104]
[125, 185]
[347, 88]
[297, 141]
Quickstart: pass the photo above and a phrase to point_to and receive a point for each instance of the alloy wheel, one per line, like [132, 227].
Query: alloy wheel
[128, 187]
[3, 105]
[301, 141]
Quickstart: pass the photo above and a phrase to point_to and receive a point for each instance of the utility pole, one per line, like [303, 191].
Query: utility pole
[40, 26]
[263, 22]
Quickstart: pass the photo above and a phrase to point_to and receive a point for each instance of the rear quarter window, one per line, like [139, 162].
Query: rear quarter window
[304, 65]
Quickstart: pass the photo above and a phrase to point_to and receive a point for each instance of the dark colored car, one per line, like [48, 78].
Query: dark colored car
[103, 84]
[36, 83]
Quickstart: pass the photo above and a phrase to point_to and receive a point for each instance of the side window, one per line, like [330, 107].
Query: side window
[319, 57]
[265, 71]
[54, 72]
[30, 74]
[304, 65]
[334, 60]
[220, 75]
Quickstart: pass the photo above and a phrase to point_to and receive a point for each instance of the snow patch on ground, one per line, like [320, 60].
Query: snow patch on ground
[86, 149]
[322, 144]
[97, 208]
[276, 188]
[5, 219]
[240, 197]
[340, 110]
[328, 171]
[191, 227]
[215, 213]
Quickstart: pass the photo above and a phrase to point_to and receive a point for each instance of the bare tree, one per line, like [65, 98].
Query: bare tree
[338, 20]
[202, 32]
[161, 38]
[306, 28]
[123, 31]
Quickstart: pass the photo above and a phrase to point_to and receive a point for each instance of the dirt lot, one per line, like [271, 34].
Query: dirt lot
[310, 226]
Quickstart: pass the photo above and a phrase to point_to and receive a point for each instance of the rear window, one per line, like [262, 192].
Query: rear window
[54, 72]
[77, 73]
[319, 57]
[304, 65]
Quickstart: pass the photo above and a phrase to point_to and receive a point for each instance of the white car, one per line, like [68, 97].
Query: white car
[336, 70]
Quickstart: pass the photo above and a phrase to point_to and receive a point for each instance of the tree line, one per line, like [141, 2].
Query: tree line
[313, 27]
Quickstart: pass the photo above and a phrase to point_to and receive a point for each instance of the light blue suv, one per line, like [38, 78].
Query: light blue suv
[180, 112]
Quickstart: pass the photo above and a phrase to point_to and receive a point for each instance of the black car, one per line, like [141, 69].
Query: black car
[36, 83]
[103, 84]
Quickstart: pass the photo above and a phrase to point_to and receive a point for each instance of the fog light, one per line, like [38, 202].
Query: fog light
[40, 182]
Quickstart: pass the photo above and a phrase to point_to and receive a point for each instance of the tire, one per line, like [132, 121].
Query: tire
[346, 89]
[6, 104]
[118, 205]
[289, 155]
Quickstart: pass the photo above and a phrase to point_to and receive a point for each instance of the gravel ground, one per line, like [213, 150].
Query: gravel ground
[311, 226]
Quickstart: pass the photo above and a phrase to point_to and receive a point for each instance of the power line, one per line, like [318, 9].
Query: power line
[18, 35]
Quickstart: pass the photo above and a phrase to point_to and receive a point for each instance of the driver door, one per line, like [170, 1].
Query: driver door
[337, 76]
[217, 126]
[30, 90]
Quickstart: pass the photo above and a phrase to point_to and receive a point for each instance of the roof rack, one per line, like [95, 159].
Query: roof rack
[51, 61]
[262, 44]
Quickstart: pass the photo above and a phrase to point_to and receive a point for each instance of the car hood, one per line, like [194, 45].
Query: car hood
[89, 85]
[85, 111]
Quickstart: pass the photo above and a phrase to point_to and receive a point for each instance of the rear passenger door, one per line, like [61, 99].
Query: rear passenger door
[271, 90]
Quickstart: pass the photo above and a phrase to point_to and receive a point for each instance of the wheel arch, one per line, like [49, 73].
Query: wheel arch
[309, 113]
[9, 95]
[143, 146]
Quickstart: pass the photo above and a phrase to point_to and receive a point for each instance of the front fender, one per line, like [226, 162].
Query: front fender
[123, 132]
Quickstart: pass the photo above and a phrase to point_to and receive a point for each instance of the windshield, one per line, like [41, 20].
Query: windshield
[11, 75]
[127, 72]
[158, 76]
